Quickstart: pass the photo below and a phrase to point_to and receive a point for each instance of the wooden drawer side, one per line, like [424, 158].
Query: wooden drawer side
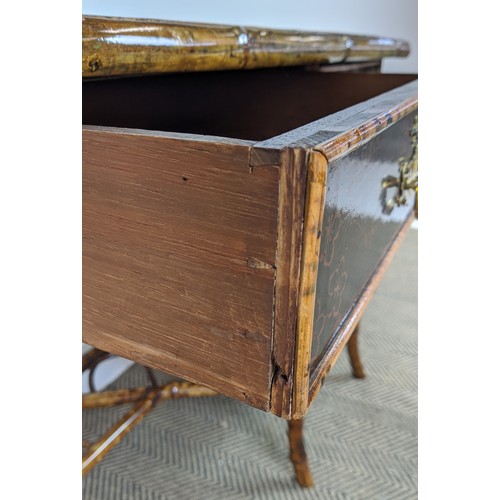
[179, 246]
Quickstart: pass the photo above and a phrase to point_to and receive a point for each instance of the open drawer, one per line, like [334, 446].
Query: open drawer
[236, 223]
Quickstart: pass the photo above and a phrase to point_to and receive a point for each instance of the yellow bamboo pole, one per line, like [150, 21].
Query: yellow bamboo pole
[116, 46]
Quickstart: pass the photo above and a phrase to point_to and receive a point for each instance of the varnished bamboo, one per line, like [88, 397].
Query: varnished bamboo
[358, 132]
[353, 350]
[315, 197]
[146, 398]
[114, 398]
[172, 390]
[115, 434]
[298, 454]
[116, 46]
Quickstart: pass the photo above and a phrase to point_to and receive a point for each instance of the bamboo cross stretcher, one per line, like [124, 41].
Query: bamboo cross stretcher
[147, 398]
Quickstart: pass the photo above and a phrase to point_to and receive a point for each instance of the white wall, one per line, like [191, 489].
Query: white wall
[391, 18]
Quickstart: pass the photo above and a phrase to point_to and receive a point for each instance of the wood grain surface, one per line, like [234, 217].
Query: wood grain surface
[285, 107]
[172, 231]
[313, 221]
[293, 177]
[117, 46]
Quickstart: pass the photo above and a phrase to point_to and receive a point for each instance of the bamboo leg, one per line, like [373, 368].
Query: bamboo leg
[352, 349]
[116, 433]
[298, 454]
[145, 398]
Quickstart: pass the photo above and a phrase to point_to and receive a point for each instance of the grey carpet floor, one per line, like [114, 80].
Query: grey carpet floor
[361, 435]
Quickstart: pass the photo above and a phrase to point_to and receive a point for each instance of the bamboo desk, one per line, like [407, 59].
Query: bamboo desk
[236, 222]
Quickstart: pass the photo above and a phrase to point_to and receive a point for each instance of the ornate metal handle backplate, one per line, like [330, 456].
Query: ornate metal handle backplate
[408, 176]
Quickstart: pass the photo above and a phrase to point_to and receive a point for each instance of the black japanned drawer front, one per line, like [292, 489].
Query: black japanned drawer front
[357, 228]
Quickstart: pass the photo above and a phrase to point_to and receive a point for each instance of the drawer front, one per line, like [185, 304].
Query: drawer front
[357, 227]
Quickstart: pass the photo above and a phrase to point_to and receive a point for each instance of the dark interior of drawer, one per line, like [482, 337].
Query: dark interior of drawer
[246, 104]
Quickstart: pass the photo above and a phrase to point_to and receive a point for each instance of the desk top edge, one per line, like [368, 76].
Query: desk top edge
[122, 47]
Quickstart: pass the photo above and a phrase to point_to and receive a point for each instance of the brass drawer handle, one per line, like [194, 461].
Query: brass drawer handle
[408, 176]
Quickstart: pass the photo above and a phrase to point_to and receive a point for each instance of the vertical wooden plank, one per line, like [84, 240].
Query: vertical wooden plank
[290, 219]
[315, 197]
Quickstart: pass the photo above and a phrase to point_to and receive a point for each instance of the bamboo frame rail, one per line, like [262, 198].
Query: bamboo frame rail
[117, 46]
